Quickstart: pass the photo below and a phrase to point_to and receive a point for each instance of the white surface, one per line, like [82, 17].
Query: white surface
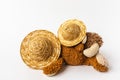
[19, 17]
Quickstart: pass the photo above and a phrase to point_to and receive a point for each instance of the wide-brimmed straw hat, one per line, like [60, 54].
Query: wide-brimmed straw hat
[40, 48]
[71, 32]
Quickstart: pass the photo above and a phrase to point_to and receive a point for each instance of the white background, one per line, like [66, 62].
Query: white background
[19, 17]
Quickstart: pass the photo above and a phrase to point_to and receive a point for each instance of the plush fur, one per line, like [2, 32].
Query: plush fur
[74, 55]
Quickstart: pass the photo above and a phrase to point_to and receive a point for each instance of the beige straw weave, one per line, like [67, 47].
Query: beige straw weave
[40, 48]
[71, 32]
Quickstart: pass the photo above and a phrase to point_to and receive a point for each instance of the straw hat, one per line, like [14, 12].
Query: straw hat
[40, 48]
[71, 32]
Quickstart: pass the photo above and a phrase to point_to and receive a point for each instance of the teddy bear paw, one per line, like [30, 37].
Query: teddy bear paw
[53, 68]
[93, 50]
[84, 40]
[101, 60]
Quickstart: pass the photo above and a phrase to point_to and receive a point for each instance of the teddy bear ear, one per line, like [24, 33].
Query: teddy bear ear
[93, 38]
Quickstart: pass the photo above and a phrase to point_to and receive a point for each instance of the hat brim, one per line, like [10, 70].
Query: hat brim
[25, 51]
[81, 36]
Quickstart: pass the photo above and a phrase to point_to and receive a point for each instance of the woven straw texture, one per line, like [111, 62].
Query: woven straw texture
[40, 48]
[71, 32]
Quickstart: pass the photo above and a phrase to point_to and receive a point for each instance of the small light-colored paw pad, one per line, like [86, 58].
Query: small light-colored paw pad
[101, 59]
[93, 50]
[84, 40]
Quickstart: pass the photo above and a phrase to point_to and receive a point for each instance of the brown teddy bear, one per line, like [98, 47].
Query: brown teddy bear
[78, 48]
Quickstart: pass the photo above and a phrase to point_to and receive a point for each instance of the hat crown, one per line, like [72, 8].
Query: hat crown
[40, 48]
[71, 32]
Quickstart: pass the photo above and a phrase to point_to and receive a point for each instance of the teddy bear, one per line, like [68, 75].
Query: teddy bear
[78, 47]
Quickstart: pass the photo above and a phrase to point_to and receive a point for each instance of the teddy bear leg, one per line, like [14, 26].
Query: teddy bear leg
[53, 68]
[102, 63]
[98, 62]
